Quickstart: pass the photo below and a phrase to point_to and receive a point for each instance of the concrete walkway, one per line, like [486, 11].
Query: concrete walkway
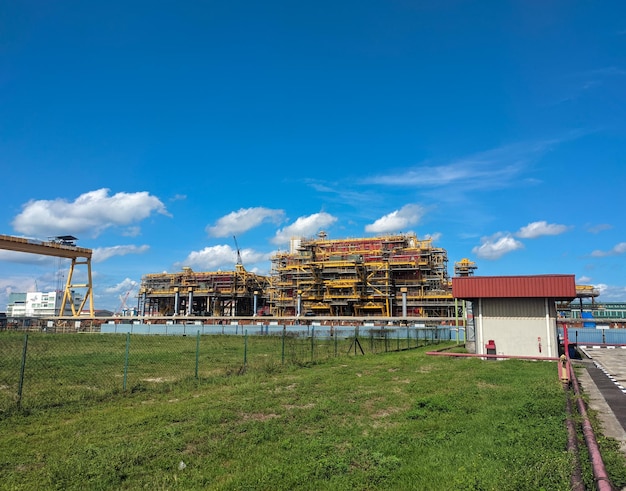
[604, 381]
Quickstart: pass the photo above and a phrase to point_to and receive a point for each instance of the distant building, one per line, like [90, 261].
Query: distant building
[611, 311]
[39, 304]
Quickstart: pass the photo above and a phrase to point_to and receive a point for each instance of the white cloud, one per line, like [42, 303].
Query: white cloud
[244, 219]
[611, 293]
[496, 247]
[434, 237]
[123, 286]
[132, 232]
[90, 213]
[101, 254]
[583, 280]
[221, 257]
[492, 169]
[305, 226]
[616, 251]
[596, 229]
[18, 284]
[537, 229]
[25, 258]
[397, 220]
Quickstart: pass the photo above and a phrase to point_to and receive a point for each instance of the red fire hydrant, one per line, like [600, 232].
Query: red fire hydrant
[491, 348]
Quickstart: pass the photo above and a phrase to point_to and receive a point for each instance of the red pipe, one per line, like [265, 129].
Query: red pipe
[601, 477]
[477, 355]
[576, 479]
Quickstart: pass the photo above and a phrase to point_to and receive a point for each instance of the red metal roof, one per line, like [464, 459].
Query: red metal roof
[538, 286]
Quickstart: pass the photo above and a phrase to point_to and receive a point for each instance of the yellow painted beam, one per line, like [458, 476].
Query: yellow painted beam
[20, 244]
[29, 246]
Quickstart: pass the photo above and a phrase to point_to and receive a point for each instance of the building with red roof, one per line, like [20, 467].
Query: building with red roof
[513, 315]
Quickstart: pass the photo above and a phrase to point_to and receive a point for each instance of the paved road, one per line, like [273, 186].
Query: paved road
[605, 383]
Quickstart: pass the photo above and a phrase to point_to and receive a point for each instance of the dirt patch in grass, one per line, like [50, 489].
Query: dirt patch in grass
[289, 387]
[310, 405]
[259, 416]
[383, 413]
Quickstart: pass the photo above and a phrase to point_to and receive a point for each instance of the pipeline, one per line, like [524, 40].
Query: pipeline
[477, 355]
[600, 475]
[576, 479]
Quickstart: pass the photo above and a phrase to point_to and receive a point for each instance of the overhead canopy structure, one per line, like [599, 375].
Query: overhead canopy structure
[62, 246]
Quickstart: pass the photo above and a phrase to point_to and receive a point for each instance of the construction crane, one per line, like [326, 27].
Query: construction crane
[239, 265]
[123, 308]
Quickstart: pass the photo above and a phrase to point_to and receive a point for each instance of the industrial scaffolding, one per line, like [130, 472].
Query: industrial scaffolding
[220, 293]
[395, 275]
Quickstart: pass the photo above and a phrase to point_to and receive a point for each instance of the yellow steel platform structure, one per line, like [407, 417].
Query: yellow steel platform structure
[393, 276]
[63, 249]
[216, 293]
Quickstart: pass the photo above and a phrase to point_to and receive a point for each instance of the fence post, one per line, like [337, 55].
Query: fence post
[22, 371]
[126, 360]
[197, 352]
[312, 342]
[408, 338]
[282, 346]
[245, 348]
[334, 331]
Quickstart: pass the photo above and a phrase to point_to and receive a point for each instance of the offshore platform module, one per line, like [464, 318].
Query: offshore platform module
[388, 276]
[378, 276]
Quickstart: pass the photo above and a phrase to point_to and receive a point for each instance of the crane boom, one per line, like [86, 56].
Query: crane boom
[239, 261]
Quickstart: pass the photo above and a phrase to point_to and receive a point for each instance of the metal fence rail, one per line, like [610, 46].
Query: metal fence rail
[40, 370]
[592, 335]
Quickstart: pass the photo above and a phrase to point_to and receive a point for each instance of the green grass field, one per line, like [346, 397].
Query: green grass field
[390, 420]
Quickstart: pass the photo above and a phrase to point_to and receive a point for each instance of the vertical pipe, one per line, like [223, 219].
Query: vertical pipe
[143, 304]
[197, 352]
[456, 319]
[126, 357]
[190, 302]
[299, 304]
[255, 302]
[176, 300]
[22, 371]
[464, 304]
[404, 291]
[480, 341]
[549, 332]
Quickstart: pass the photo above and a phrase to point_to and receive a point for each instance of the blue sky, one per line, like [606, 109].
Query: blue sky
[155, 131]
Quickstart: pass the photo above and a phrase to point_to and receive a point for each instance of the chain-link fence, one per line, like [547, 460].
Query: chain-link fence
[40, 370]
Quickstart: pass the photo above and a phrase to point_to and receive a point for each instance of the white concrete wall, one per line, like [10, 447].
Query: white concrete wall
[518, 334]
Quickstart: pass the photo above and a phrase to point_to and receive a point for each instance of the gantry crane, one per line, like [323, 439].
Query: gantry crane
[62, 246]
